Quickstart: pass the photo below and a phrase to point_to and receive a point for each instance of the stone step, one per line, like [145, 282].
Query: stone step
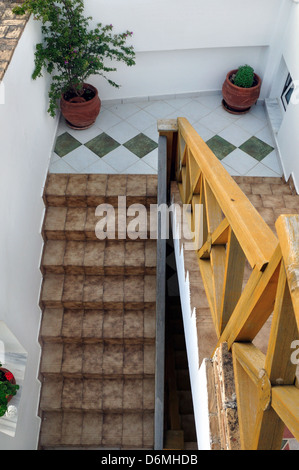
[98, 395]
[98, 292]
[90, 429]
[92, 190]
[107, 257]
[92, 326]
[105, 359]
[82, 223]
[188, 426]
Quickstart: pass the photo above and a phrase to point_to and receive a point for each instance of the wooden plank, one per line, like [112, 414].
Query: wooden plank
[285, 401]
[255, 305]
[254, 235]
[287, 227]
[233, 279]
[268, 431]
[197, 221]
[206, 274]
[246, 361]
[284, 331]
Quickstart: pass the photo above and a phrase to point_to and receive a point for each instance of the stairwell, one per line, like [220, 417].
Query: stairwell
[180, 430]
[98, 326]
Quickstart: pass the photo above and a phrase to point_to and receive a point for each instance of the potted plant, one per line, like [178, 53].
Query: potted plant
[241, 90]
[71, 52]
[8, 388]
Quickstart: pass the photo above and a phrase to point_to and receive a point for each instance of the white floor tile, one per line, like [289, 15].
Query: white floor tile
[151, 159]
[80, 158]
[122, 132]
[240, 161]
[85, 135]
[212, 101]
[262, 170]
[194, 111]
[230, 170]
[160, 109]
[152, 132]
[272, 161]
[106, 119]
[266, 135]
[251, 123]
[142, 120]
[204, 133]
[215, 122]
[124, 110]
[259, 111]
[140, 168]
[120, 159]
[178, 103]
[100, 167]
[235, 135]
[61, 167]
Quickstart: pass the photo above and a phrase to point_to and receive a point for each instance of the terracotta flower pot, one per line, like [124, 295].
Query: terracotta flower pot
[238, 100]
[80, 113]
[12, 380]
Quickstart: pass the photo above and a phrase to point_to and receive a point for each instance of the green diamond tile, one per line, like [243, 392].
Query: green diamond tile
[102, 144]
[141, 145]
[256, 148]
[220, 146]
[65, 143]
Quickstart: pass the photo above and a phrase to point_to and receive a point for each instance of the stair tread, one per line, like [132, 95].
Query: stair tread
[98, 359]
[83, 223]
[124, 430]
[94, 325]
[92, 190]
[99, 395]
[99, 257]
[97, 291]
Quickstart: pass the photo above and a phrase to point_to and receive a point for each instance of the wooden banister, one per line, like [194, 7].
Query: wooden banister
[233, 232]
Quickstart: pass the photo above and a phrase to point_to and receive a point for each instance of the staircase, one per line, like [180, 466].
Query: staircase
[98, 325]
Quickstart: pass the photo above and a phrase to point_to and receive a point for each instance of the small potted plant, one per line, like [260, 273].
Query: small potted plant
[71, 52]
[241, 90]
[8, 388]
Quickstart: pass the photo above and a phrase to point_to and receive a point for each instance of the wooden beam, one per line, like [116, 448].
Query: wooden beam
[255, 305]
[284, 331]
[233, 279]
[285, 401]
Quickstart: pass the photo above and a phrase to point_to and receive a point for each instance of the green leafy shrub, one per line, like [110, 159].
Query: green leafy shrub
[244, 77]
[6, 389]
[71, 51]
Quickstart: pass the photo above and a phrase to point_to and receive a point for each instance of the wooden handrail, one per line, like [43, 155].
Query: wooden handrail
[255, 237]
[233, 232]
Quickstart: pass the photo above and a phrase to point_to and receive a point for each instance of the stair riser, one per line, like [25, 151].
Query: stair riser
[99, 271]
[94, 201]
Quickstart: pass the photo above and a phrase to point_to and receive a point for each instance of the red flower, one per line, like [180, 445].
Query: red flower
[8, 376]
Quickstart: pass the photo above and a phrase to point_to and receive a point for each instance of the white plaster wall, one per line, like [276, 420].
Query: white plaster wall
[288, 135]
[197, 371]
[186, 46]
[26, 139]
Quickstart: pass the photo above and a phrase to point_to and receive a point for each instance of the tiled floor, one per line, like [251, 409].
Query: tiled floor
[124, 138]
